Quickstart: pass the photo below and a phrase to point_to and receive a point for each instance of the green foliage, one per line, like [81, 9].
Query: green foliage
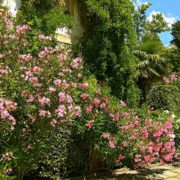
[176, 34]
[45, 16]
[157, 25]
[65, 154]
[172, 55]
[140, 19]
[107, 44]
[165, 97]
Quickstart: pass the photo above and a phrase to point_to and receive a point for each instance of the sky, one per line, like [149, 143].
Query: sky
[170, 10]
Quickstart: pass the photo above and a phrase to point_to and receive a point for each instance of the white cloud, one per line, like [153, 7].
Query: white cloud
[168, 18]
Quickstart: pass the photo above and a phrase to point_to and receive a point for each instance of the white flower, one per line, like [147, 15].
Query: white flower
[173, 116]
[172, 136]
[166, 111]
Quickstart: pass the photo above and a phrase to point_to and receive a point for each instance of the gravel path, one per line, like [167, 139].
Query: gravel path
[155, 172]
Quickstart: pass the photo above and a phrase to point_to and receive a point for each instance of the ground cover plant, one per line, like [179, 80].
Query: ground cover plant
[39, 93]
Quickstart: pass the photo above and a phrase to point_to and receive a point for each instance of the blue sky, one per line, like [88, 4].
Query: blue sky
[171, 11]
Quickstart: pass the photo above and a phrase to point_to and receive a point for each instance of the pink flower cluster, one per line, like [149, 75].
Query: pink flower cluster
[45, 52]
[75, 64]
[4, 71]
[111, 142]
[171, 78]
[43, 37]
[8, 23]
[5, 108]
[43, 101]
[25, 58]
[22, 29]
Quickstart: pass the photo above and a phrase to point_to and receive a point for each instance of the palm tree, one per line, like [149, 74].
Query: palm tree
[150, 62]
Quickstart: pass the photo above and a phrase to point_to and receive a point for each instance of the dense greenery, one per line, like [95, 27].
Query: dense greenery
[44, 15]
[176, 34]
[107, 45]
[62, 115]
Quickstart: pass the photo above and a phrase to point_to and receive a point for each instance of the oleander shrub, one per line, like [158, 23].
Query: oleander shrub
[42, 95]
[37, 94]
[117, 135]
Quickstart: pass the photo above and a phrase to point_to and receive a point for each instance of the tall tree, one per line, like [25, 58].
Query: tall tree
[150, 62]
[149, 52]
[176, 34]
[108, 42]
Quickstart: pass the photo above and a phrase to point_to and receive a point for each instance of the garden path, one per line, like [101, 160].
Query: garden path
[155, 172]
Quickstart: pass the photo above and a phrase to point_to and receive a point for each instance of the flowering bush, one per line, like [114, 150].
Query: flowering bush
[37, 94]
[120, 136]
[40, 93]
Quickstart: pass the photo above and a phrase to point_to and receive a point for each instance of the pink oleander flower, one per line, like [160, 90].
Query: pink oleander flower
[30, 99]
[137, 158]
[76, 63]
[123, 104]
[102, 105]
[96, 101]
[169, 145]
[33, 79]
[98, 91]
[37, 85]
[90, 124]
[168, 157]
[4, 114]
[69, 99]
[145, 134]
[57, 82]
[158, 133]
[136, 124]
[120, 157]
[22, 29]
[37, 69]
[43, 113]
[13, 120]
[148, 158]
[148, 122]
[43, 37]
[25, 58]
[111, 144]
[61, 111]
[126, 115]
[52, 90]
[89, 109]
[42, 54]
[62, 96]
[77, 111]
[8, 23]
[84, 96]
[85, 86]
[43, 101]
[62, 57]
[127, 127]
[53, 123]
[106, 135]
